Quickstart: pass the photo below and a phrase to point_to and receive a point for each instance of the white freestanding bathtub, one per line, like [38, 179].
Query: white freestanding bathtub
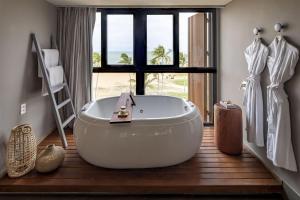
[164, 131]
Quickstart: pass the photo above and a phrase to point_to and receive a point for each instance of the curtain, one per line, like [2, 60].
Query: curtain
[74, 35]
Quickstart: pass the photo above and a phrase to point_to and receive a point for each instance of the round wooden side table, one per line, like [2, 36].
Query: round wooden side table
[228, 129]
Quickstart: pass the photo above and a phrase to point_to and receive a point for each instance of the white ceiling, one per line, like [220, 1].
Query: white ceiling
[138, 3]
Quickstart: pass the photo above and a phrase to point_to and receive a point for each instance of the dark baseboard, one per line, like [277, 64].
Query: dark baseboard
[93, 196]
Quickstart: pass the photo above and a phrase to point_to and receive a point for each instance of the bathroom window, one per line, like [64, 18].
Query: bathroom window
[156, 52]
[120, 39]
[170, 84]
[97, 41]
[160, 39]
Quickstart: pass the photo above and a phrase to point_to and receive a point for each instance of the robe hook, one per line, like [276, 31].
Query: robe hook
[257, 30]
[278, 27]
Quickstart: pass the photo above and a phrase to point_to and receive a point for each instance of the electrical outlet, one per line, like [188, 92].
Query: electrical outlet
[23, 108]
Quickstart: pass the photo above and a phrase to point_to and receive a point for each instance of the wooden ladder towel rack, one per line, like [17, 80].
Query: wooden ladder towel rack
[52, 90]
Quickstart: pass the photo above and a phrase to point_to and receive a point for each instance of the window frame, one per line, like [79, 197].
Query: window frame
[140, 66]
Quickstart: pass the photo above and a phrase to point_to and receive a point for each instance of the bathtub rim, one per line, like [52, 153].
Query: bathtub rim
[84, 116]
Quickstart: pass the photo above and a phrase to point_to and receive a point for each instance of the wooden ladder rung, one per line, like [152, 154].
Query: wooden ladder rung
[62, 104]
[68, 120]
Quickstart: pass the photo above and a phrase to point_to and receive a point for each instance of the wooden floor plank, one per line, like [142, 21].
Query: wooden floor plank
[199, 155]
[209, 171]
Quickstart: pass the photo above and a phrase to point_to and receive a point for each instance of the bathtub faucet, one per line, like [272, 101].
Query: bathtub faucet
[131, 97]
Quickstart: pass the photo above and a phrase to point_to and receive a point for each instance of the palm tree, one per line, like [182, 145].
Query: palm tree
[149, 79]
[160, 56]
[96, 59]
[182, 60]
[125, 59]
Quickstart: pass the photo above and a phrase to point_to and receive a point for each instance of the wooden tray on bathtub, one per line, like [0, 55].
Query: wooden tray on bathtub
[125, 99]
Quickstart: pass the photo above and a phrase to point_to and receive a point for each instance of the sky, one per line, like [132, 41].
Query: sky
[159, 31]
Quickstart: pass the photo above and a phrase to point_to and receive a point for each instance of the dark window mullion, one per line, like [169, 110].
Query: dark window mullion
[176, 39]
[140, 48]
[140, 83]
[154, 69]
[103, 39]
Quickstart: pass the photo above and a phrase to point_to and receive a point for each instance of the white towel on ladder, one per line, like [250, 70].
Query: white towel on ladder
[51, 58]
[55, 71]
[56, 75]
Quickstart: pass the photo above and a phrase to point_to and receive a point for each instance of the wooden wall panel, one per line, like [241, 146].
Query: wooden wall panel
[197, 58]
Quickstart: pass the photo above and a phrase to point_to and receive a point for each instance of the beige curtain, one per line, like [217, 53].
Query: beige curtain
[75, 34]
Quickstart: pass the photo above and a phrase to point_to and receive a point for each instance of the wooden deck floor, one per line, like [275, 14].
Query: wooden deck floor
[209, 172]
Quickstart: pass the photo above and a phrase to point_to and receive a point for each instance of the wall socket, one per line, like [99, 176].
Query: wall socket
[23, 109]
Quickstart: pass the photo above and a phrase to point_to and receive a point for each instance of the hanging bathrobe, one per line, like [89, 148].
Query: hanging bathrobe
[256, 56]
[281, 64]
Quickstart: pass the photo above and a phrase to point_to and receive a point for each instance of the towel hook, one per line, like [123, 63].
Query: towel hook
[256, 32]
[278, 27]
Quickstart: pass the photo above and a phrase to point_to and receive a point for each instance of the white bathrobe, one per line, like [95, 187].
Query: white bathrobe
[256, 56]
[281, 64]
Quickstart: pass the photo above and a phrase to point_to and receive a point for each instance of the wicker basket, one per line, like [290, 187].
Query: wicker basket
[21, 151]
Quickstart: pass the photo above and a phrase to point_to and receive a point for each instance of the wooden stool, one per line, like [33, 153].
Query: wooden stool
[228, 129]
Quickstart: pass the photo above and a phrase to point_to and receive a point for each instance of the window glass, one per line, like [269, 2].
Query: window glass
[112, 84]
[195, 87]
[159, 39]
[97, 41]
[120, 39]
[170, 84]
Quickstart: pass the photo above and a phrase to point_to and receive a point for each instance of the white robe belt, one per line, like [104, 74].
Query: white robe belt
[252, 79]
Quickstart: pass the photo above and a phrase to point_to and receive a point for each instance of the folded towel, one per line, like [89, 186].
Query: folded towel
[228, 104]
[56, 79]
[51, 58]
[56, 75]
[55, 72]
